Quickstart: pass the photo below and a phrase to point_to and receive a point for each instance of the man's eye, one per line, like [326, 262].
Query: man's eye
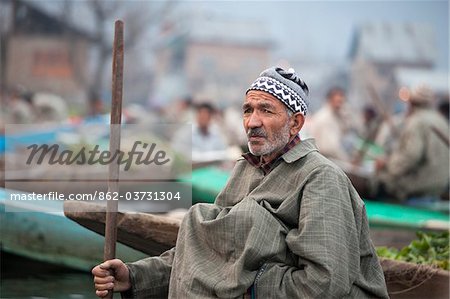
[267, 111]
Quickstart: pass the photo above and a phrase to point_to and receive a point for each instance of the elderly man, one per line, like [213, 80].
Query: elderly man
[288, 224]
[418, 166]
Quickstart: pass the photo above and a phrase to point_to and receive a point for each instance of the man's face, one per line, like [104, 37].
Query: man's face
[266, 123]
[337, 100]
[203, 118]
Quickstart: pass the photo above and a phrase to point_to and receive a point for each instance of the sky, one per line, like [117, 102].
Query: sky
[323, 30]
[313, 30]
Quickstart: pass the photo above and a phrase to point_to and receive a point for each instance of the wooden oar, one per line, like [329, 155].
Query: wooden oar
[114, 144]
[381, 109]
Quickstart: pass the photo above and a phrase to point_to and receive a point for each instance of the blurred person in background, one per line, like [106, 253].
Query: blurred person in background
[371, 123]
[331, 124]
[205, 135]
[96, 107]
[208, 142]
[236, 135]
[183, 111]
[391, 124]
[20, 109]
[49, 108]
[418, 165]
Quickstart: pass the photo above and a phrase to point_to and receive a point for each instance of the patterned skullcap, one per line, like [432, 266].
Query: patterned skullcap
[285, 86]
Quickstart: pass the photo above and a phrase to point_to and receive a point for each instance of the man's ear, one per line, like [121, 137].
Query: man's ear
[296, 123]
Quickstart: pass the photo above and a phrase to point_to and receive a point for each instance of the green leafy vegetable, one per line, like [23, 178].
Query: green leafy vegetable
[429, 249]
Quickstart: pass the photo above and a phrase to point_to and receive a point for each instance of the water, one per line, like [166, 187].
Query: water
[26, 279]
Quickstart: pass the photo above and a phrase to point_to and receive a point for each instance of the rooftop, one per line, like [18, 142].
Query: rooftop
[436, 80]
[398, 43]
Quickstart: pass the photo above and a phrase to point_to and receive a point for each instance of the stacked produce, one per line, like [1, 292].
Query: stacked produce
[429, 249]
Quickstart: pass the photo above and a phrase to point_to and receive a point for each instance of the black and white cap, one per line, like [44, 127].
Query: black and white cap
[285, 86]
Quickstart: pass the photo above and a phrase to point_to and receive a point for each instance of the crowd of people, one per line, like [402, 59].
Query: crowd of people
[21, 106]
[413, 153]
[412, 156]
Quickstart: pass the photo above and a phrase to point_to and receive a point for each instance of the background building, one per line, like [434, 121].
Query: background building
[387, 56]
[210, 59]
[43, 53]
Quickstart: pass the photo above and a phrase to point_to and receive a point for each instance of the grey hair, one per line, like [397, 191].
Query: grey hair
[289, 112]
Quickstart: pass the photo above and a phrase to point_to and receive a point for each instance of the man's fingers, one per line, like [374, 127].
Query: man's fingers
[97, 271]
[104, 276]
[104, 286]
[111, 264]
[102, 280]
[101, 294]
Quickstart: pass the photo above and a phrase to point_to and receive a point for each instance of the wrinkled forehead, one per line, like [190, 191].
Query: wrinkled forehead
[257, 96]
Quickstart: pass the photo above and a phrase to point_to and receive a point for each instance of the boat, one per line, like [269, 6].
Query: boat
[391, 225]
[408, 280]
[153, 234]
[150, 233]
[39, 230]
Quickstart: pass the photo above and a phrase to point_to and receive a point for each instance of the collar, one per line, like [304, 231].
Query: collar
[302, 149]
[255, 161]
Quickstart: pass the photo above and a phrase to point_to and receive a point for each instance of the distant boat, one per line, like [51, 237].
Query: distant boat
[39, 230]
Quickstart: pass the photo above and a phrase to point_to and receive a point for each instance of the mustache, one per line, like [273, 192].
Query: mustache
[256, 132]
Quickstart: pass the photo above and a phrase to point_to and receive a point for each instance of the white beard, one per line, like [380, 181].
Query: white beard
[270, 146]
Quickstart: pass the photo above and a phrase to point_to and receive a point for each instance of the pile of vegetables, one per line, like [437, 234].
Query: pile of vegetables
[429, 249]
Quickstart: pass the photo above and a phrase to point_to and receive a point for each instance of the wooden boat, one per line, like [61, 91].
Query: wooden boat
[149, 233]
[408, 280]
[153, 234]
[391, 224]
[39, 230]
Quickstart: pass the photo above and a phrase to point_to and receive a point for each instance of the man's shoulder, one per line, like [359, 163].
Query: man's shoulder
[424, 119]
[320, 163]
[316, 163]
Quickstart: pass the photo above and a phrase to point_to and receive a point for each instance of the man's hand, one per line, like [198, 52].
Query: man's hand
[111, 275]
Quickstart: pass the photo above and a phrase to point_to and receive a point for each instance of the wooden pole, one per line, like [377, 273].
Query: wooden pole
[382, 109]
[114, 144]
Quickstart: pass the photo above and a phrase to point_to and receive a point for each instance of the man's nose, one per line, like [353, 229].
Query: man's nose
[254, 121]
